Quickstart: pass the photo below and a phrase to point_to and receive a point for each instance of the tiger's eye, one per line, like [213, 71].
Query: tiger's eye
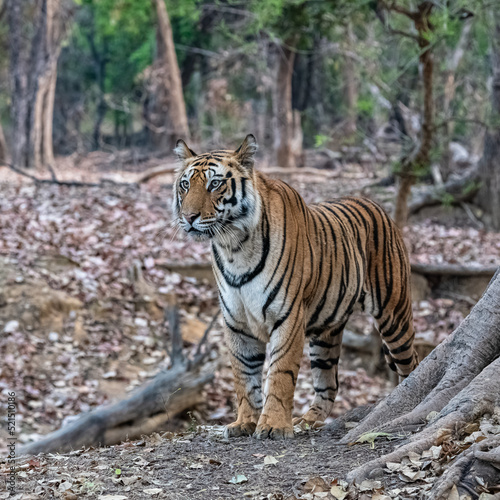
[214, 185]
[185, 185]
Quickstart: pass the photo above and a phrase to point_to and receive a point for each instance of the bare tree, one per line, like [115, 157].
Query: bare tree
[169, 119]
[282, 106]
[418, 159]
[33, 74]
[350, 83]
[4, 154]
[452, 65]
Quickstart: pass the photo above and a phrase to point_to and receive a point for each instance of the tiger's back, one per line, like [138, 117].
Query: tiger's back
[288, 272]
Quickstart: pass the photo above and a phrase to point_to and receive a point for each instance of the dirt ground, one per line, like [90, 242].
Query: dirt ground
[198, 465]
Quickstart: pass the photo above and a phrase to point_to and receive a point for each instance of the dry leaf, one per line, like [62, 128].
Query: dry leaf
[338, 493]
[270, 460]
[370, 437]
[453, 495]
[153, 491]
[370, 485]
[380, 496]
[192, 330]
[240, 478]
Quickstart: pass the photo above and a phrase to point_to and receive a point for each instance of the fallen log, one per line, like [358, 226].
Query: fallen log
[360, 342]
[153, 172]
[456, 190]
[168, 394]
[457, 270]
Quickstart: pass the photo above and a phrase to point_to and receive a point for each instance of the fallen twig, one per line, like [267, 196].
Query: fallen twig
[54, 180]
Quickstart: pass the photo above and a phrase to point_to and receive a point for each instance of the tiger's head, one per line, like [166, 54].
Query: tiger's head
[214, 193]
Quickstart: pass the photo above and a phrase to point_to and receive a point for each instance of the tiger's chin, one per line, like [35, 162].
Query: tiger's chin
[199, 235]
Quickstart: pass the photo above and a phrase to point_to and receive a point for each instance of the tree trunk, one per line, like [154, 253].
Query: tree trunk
[4, 154]
[283, 113]
[489, 165]
[18, 82]
[449, 95]
[33, 68]
[171, 102]
[350, 84]
[458, 383]
[420, 160]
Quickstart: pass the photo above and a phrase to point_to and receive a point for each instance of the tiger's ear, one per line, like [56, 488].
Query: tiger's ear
[244, 154]
[182, 151]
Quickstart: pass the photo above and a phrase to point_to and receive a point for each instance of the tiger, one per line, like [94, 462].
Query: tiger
[288, 273]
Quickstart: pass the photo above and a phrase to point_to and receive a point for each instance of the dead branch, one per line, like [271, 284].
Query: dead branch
[168, 394]
[153, 172]
[54, 180]
[199, 354]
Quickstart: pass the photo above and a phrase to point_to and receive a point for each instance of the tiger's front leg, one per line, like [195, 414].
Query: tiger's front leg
[247, 359]
[287, 344]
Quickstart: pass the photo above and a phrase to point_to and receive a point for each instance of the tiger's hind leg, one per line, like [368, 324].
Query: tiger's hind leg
[324, 351]
[396, 330]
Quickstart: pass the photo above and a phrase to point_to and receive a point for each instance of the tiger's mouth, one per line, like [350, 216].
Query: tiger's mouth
[200, 234]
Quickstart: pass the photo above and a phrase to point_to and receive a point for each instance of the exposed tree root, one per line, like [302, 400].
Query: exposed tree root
[445, 372]
[456, 384]
[472, 463]
[469, 405]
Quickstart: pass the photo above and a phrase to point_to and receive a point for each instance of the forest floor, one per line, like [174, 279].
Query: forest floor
[80, 330]
[203, 465]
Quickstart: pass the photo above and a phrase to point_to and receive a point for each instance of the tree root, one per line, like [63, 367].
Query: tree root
[478, 398]
[450, 370]
[472, 463]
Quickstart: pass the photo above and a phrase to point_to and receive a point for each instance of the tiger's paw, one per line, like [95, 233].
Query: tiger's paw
[305, 423]
[265, 431]
[237, 429]
[312, 419]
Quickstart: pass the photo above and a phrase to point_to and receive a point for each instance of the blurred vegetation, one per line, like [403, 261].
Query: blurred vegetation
[228, 53]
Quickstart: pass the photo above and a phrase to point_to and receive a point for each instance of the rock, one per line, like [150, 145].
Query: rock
[459, 155]
[53, 336]
[11, 326]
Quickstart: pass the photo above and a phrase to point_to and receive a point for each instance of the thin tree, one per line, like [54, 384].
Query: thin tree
[418, 159]
[33, 75]
[171, 107]
[282, 103]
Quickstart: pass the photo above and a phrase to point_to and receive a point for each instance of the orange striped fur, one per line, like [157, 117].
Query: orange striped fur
[288, 273]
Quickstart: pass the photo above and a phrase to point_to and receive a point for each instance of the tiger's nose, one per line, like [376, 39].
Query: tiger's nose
[191, 217]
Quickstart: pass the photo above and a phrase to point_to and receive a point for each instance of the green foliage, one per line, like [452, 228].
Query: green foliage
[366, 105]
[447, 199]
[320, 140]
[471, 187]
[239, 42]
